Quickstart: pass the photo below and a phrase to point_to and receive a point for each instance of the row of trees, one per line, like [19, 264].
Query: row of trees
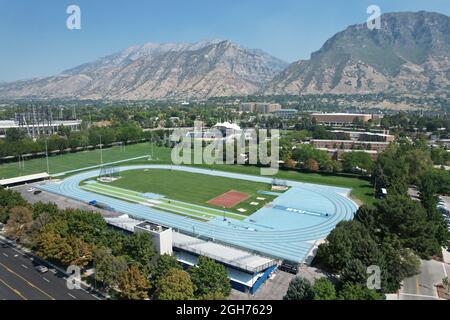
[127, 266]
[397, 231]
[307, 157]
[17, 143]
[324, 289]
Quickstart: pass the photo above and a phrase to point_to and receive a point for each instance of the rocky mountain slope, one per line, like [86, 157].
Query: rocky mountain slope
[409, 54]
[159, 71]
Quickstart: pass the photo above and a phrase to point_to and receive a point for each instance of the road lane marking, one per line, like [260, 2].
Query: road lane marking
[28, 282]
[46, 279]
[71, 295]
[5, 254]
[24, 266]
[417, 286]
[13, 290]
[445, 270]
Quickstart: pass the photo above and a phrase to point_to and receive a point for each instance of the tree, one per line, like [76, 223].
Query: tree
[41, 208]
[350, 240]
[290, 164]
[358, 292]
[324, 290]
[163, 265]
[140, 250]
[48, 245]
[74, 251]
[213, 296]
[299, 289]
[108, 268]
[209, 277]
[355, 161]
[311, 165]
[175, 284]
[408, 221]
[133, 284]
[9, 199]
[19, 223]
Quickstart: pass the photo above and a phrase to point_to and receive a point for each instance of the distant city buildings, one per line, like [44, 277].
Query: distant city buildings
[342, 119]
[368, 142]
[35, 128]
[285, 113]
[259, 107]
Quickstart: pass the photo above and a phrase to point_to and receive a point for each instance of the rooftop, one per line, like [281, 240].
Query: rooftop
[23, 179]
[238, 258]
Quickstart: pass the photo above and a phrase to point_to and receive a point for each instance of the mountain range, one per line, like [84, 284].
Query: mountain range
[408, 55]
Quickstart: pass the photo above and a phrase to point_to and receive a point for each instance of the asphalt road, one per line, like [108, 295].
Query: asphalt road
[19, 279]
[422, 286]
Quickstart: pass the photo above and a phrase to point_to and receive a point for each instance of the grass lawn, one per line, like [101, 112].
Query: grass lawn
[78, 160]
[361, 188]
[192, 187]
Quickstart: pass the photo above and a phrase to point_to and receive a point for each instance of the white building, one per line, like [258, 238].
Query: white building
[161, 236]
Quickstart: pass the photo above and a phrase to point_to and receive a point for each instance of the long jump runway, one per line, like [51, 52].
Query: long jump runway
[286, 230]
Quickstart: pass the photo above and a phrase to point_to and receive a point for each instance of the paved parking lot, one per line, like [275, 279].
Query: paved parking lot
[275, 289]
[62, 202]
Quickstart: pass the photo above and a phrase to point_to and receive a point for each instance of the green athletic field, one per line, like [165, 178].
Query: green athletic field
[78, 160]
[192, 188]
[177, 207]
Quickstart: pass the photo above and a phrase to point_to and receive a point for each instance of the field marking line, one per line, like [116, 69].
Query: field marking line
[193, 208]
[28, 282]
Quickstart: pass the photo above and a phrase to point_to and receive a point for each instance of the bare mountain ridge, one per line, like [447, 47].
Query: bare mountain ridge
[159, 71]
[409, 54]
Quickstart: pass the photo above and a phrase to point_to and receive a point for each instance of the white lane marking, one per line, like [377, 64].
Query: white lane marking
[24, 266]
[5, 254]
[53, 271]
[71, 295]
[46, 279]
[445, 270]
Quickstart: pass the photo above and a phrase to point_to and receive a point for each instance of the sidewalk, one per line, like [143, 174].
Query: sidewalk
[446, 255]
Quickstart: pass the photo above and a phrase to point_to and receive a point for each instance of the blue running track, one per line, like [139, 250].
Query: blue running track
[286, 230]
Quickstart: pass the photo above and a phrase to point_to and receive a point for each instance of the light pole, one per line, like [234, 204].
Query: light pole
[46, 155]
[101, 151]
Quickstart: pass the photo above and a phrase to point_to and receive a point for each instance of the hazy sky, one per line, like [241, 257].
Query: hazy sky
[35, 41]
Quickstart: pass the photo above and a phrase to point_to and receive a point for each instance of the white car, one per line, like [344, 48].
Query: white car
[31, 189]
[42, 269]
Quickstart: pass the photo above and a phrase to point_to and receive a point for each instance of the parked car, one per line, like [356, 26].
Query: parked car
[37, 192]
[42, 269]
